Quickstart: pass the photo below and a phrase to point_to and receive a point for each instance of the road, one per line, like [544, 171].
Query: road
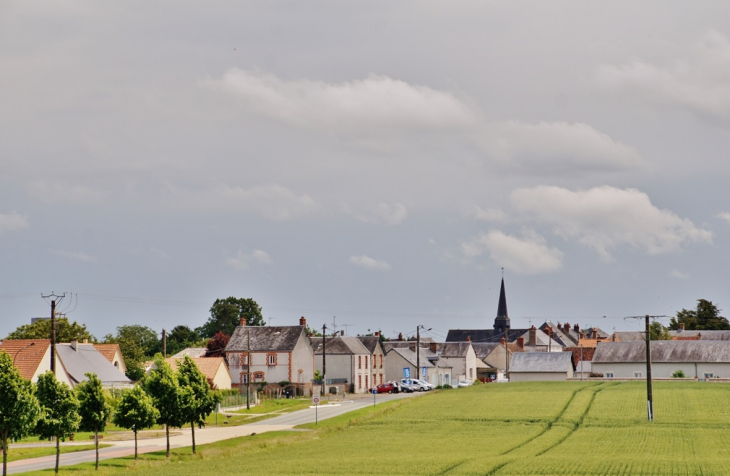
[284, 422]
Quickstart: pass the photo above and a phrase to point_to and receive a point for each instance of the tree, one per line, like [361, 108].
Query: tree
[41, 329]
[59, 411]
[658, 332]
[217, 345]
[198, 399]
[162, 385]
[225, 315]
[136, 411]
[93, 408]
[705, 317]
[19, 408]
[182, 337]
[137, 344]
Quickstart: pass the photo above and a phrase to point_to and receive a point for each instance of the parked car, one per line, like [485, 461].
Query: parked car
[408, 387]
[383, 388]
[422, 385]
[465, 383]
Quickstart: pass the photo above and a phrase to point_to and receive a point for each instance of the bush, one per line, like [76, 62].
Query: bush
[678, 374]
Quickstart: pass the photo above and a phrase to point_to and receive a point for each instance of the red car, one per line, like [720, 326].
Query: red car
[383, 388]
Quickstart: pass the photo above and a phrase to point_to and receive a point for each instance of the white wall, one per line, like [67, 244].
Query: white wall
[539, 376]
[662, 369]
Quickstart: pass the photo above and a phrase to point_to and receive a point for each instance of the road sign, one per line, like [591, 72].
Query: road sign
[406, 372]
[375, 390]
[315, 400]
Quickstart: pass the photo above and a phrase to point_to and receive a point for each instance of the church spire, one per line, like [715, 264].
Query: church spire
[502, 323]
[502, 308]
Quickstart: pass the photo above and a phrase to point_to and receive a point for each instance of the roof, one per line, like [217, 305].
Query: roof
[265, 338]
[705, 335]
[26, 353]
[483, 349]
[85, 358]
[193, 352]
[454, 349]
[663, 351]
[502, 307]
[342, 345]
[371, 343]
[541, 339]
[108, 350]
[541, 362]
[629, 336]
[410, 356]
[482, 335]
[209, 366]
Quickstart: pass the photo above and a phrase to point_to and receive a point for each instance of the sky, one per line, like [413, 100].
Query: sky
[370, 165]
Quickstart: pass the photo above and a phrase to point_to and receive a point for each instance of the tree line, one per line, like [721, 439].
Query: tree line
[139, 343]
[52, 409]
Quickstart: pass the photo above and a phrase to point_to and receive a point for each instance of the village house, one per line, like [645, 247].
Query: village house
[348, 362]
[277, 354]
[214, 368]
[377, 357]
[534, 366]
[460, 356]
[113, 354]
[72, 361]
[495, 357]
[399, 358]
[695, 358]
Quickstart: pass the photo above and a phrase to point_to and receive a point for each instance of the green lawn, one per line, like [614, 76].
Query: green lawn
[556, 428]
[24, 453]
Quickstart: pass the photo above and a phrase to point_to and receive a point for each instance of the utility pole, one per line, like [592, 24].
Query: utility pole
[324, 359]
[55, 298]
[248, 369]
[164, 343]
[418, 352]
[581, 362]
[649, 396]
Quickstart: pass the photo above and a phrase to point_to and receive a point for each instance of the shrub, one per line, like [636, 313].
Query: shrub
[678, 374]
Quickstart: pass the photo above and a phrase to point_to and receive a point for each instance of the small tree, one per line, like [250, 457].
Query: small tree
[163, 387]
[19, 408]
[198, 399]
[60, 411]
[678, 374]
[93, 408]
[136, 412]
[217, 344]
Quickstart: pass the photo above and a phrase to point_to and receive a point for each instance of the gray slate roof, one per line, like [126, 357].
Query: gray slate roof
[371, 343]
[191, 351]
[410, 356]
[454, 349]
[541, 362]
[483, 349]
[87, 359]
[705, 335]
[482, 335]
[663, 351]
[265, 338]
[340, 345]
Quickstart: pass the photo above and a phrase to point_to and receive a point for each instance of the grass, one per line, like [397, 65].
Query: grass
[541, 428]
[23, 453]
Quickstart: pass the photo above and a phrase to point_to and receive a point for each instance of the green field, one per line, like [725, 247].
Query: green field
[560, 428]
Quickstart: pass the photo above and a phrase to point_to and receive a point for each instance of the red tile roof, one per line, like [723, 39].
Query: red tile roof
[26, 353]
[108, 350]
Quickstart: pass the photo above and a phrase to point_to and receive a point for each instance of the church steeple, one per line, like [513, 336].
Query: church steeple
[502, 323]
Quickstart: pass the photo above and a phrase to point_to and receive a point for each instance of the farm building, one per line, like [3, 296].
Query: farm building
[696, 358]
[532, 366]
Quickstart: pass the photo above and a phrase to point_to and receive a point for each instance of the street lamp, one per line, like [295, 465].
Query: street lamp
[418, 348]
[22, 349]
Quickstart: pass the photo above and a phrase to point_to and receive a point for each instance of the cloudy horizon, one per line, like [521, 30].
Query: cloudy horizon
[372, 165]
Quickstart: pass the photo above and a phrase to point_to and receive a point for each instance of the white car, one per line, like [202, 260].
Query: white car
[422, 385]
[465, 383]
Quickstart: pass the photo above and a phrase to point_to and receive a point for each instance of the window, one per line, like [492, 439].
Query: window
[271, 359]
[709, 375]
[244, 359]
[637, 374]
[609, 374]
[366, 381]
[359, 381]
[381, 379]
[471, 373]
[359, 361]
[258, 376]
[366, 364]
[244, 378]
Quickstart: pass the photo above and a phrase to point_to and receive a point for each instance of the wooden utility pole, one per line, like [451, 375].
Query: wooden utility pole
[649, 396]
[55, 299]
[324, 359]
[418, 352]
[164, 343]
[248, 369]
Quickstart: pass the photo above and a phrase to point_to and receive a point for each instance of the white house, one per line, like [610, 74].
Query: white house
[460, 356]
[438, 372]
[377, 357]
[348, 361]
[533, 366]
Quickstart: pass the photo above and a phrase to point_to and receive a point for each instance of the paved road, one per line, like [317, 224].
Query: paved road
[206, 435]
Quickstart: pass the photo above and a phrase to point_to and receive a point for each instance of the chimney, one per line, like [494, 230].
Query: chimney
[532, 338]
[434, 347]
[595, 333]
[468, 338]
[566, 328]
[242, 322]
[302, 321]
[681, 327]
[521, 342]
[613, 337]
[75, 344]
[582, 335]
[502, 341]
[377, 333]
[86, 341]
[400, 336]
[342, 333]
[576, 328]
